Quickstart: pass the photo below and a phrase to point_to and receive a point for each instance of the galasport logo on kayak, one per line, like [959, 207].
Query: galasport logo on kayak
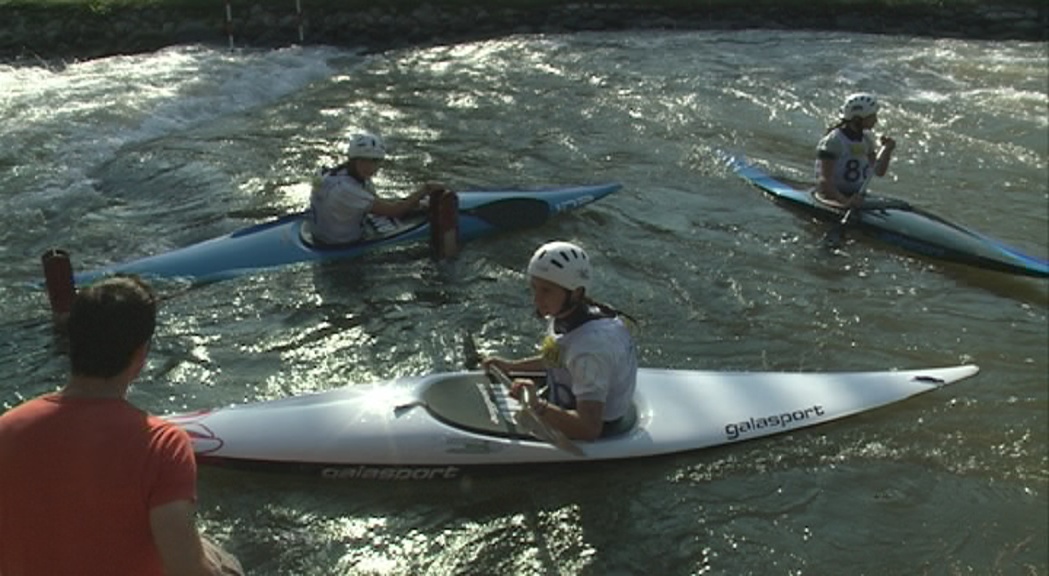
[736, 430]
[394, 473]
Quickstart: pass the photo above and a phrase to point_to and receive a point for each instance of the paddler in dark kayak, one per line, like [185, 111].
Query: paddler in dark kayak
[588, 354]
[846, 154]
[343, 195]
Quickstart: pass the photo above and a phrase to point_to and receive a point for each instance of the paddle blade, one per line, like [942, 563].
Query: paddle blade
[471, 355]
[834, 236]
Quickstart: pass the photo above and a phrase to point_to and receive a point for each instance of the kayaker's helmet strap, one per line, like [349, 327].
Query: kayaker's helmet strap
[860, 105]
[365, 145]
[562, 263]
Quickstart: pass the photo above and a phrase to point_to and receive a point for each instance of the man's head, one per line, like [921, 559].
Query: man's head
[108, 323]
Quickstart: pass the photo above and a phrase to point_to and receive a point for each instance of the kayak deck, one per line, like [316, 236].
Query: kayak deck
[281, 242]
[460, 420]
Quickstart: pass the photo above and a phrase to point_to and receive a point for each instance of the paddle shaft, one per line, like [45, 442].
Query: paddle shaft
[554, 436]
[836, 234]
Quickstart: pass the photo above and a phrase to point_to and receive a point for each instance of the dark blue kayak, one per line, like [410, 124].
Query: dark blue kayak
[287, 240]
[898, 223]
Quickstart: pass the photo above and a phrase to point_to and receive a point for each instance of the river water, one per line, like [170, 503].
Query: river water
[127, 156]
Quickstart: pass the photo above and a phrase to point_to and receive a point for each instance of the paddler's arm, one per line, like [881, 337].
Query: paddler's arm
[590, 381]
[398, 208]
[881, 162]
[583, 423]
[530, 364]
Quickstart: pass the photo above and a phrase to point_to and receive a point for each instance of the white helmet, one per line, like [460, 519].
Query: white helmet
[859, 105]
[365, 145]
[562, 263]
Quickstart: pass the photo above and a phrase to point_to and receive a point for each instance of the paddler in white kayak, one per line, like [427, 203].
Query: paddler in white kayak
[343, 195]
[588, 354]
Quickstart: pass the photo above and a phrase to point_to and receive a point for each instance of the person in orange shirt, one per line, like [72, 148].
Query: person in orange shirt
[89, 484]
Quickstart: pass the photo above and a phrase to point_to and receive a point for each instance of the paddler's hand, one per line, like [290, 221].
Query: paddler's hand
[887, 144]
[421, 197]
[428, 187]
[524, 388]
[500, 363]
[854, 201]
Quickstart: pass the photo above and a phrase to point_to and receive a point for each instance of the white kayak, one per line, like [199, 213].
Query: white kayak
[446, 425]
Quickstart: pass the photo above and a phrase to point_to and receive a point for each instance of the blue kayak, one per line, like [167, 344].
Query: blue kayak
[904, 226]
[286, 240]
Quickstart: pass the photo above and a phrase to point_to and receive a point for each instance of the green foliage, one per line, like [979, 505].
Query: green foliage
[101, 7]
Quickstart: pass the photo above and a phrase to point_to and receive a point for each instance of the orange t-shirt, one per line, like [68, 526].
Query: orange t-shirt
[78, 478]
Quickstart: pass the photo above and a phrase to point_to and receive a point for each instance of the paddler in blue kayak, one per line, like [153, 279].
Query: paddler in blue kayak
[588, 354]
[344, 195]
[847, 154]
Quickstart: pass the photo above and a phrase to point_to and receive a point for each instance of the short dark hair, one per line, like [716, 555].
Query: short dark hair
[108, 321]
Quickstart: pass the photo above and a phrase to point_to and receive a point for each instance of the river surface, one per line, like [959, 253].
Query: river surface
[128, 156]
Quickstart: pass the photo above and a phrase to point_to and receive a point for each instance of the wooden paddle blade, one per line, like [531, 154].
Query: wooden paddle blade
[513, 213]
[444, 224]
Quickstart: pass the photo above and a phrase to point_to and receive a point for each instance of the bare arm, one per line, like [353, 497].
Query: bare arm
[881, 162]
[530, 364]
[583, 423]
[398, 208]
[178, 542]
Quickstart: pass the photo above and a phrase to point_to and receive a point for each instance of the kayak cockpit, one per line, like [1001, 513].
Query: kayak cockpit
[375, 228]
[871, 203]
[470, 402]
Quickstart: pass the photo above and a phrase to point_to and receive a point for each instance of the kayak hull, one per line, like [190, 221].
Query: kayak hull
[280, 242]
[443, 426]
[906, 227]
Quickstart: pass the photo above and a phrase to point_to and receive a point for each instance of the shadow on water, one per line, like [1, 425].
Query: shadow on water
[1029, 290]
[554, 515]
[523, 510]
